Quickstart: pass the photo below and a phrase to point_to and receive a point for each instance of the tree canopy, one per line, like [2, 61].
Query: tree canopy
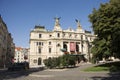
[106, 25]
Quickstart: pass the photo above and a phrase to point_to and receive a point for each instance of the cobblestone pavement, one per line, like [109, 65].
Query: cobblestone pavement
[60, 74]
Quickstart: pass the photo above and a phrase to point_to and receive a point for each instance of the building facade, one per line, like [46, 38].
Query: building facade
[21, 55]
[45, 44]
[6, 45]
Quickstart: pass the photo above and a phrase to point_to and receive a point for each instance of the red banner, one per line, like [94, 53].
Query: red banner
[72, 46]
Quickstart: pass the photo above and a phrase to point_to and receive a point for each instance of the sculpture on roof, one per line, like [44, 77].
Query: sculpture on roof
[57, 21]
[57, 24]
[78, 23]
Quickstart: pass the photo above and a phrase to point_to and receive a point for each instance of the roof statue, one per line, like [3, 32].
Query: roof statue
[78, 24]
[57, 21]
[57, 24]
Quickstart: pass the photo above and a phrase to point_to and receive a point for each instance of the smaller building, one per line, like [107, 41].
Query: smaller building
[21, 54]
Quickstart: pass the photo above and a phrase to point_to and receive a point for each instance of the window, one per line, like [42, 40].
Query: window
[39, 50]
[58, 35]
[70, 35]
[76, 36]
[42, 43]
[58, 45]
[50, 35]
[49, 43]
[63, 34]
[77, 48]
[39, 43]
[81, 37]
[39, 61]
[49, 50]
[34, 61]
[65, 47]
[40, 35]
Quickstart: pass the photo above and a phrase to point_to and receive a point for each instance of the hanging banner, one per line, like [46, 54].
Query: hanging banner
[72, 46]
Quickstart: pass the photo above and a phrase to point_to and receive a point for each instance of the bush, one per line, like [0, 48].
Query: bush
[113, 68]
[60, 62]
[48, 62]
[72, 61]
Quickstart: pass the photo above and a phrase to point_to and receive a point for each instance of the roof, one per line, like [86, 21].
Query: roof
[39, 27]
[18, 48]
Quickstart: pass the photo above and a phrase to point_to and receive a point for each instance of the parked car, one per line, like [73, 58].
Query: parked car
[19, 66]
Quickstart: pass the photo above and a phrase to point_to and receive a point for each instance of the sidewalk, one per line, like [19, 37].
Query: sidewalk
[85, 65]
[3, 69]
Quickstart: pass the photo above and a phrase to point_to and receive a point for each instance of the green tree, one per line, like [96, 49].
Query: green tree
[106, 25]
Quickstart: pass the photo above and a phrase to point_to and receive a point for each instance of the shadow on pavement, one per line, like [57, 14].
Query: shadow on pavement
[112, 76]
[5, 74]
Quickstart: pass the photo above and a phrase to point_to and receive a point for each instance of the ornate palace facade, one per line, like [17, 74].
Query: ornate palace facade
[45, 44]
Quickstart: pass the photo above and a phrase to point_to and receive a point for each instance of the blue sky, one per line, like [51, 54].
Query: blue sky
[22, 15]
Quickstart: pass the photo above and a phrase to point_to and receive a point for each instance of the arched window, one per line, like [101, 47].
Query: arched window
[39, 61]
[58, 45]
[49, 43]
[77, 48]
[40, 35]
[65, 46]
[39, 50]
[58, 35]
[50, 50]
